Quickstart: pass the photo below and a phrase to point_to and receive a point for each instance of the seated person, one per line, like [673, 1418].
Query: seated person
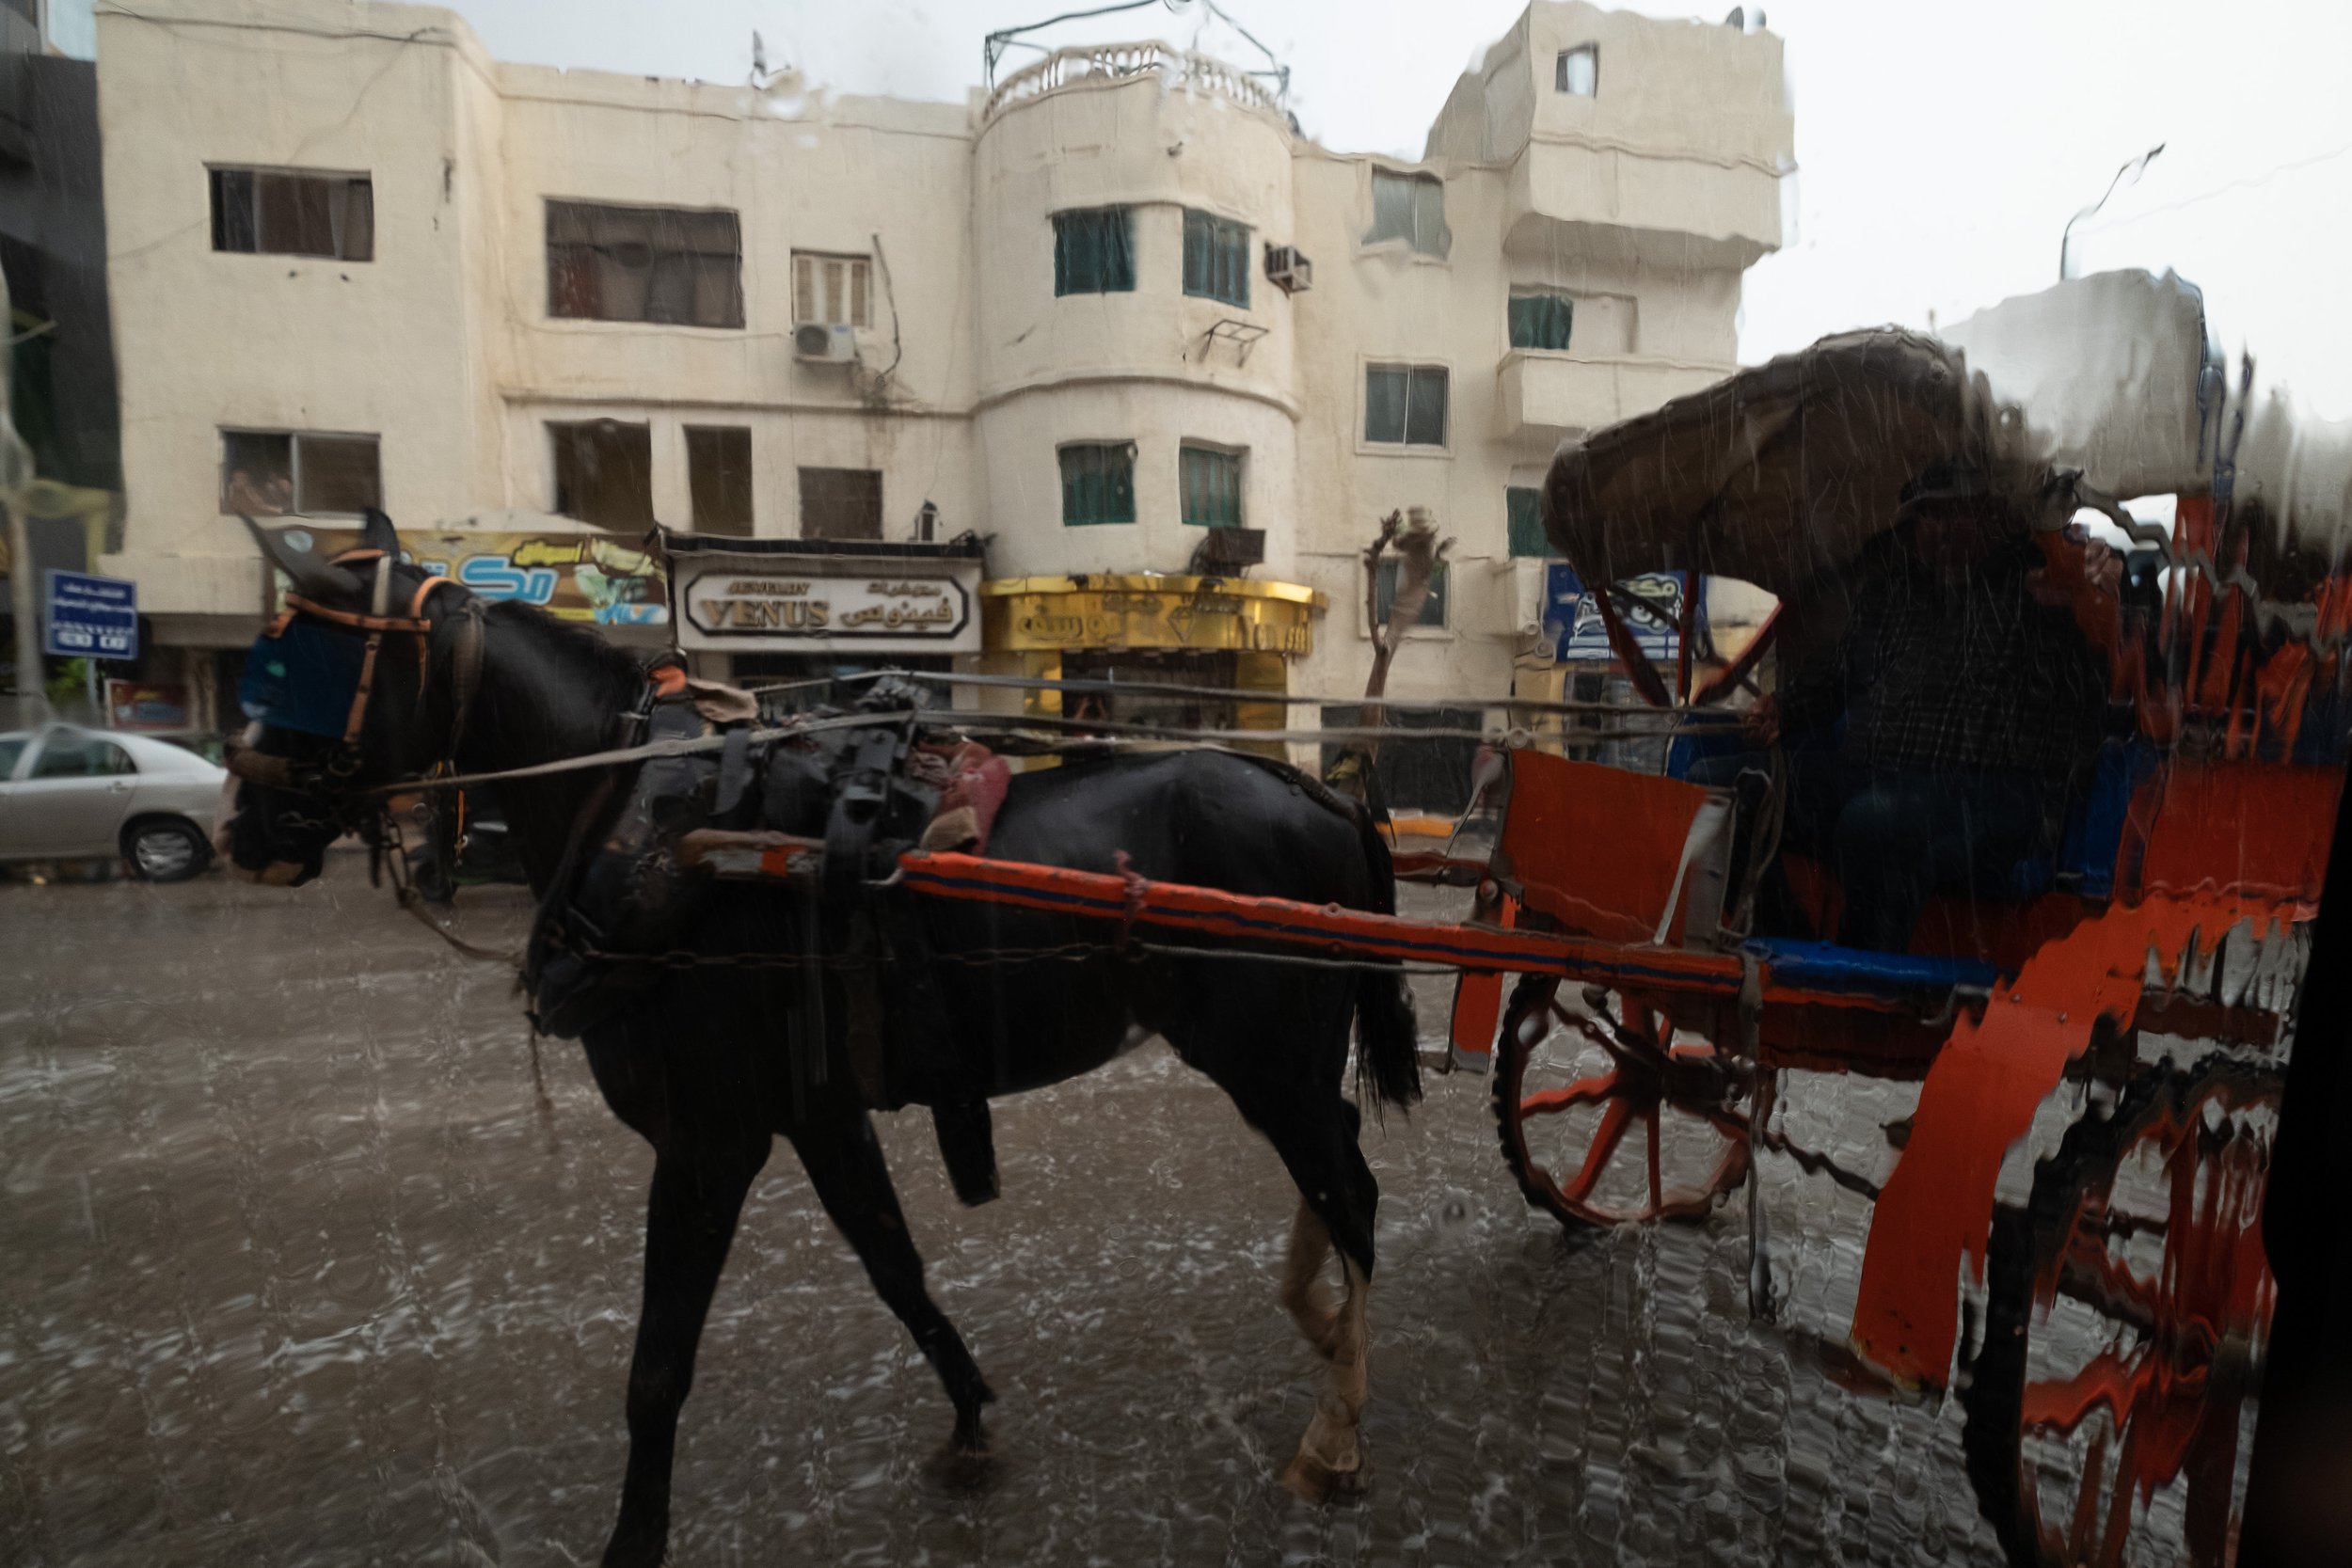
[1970, 701]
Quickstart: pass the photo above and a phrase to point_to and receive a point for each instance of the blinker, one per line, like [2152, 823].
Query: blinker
[305, 676]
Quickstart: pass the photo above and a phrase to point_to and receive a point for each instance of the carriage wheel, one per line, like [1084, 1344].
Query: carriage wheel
[2126, 1311]
[1610, 1120]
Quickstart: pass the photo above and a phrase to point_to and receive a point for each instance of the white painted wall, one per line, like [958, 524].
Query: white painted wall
[1647, 201]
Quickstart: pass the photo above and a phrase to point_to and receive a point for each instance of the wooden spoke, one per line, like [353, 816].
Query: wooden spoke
[1584, 1091]
[1605, 1141]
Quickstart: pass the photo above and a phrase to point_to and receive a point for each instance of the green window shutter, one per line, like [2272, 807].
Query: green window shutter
[1541, 321]
[1526, 526]
[1425, 406]
[1210, 483]
[1091, 252]
[1217, 259]
[1098, 483]
[1199, 244]
[1384, 402]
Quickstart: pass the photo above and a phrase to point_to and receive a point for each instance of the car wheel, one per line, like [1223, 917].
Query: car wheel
[165, 850]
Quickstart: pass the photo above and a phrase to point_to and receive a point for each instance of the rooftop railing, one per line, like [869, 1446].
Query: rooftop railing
[1113, 62]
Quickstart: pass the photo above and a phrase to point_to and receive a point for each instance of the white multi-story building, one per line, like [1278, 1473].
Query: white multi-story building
[1096, 314]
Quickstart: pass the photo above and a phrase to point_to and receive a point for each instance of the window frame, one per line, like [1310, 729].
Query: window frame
[548, 244]
[294, 440]
[802, 485]
[1372, 238]
[1239, 457]
[687, 435]
[1066, 227]
[1124, 447]
[1224, 247]
[255, 173]
[1530, 294]
[555, 468]
[857, 283]
[1390, 571]
[1369, 444]
[1588, 51]
[1512, 521]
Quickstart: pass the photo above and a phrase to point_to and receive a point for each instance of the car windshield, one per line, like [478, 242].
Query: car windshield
[11, 749]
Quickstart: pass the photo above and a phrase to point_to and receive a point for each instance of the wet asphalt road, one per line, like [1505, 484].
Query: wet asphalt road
[297, 1270]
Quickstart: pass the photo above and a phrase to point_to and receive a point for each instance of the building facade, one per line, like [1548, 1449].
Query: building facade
[1169, 357]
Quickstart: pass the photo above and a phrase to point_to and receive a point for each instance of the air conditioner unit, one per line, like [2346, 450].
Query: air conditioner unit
[824, 345]
[1287, 270]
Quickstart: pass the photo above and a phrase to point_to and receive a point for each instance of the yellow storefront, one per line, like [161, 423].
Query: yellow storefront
[1152, 632]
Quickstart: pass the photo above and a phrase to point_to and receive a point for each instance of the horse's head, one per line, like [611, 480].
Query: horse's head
[343, 698]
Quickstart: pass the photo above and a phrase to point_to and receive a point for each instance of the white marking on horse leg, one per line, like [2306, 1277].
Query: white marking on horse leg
[1303, 1294]
[1328, 1459]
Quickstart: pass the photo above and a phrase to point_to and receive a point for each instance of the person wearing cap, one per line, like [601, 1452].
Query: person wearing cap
[1970, 703]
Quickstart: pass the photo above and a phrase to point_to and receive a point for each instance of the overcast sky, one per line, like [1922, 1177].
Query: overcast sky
[1940, 148]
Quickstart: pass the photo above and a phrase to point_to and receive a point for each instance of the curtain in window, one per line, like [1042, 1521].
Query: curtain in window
[1410, 207]
[1098, 485]
[644, 264]
[1524, 509]
[1217, 259]
[1092, 252]
[1541, 321]
[1210, 483]
[1405, 404]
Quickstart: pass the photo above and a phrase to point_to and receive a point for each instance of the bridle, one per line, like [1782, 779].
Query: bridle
[332, 779]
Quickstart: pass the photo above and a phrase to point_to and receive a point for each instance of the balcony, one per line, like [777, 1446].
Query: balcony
[1107, 64]
[1539, 391]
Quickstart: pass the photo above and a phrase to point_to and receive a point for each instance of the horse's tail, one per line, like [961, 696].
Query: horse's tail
[1388, 1038]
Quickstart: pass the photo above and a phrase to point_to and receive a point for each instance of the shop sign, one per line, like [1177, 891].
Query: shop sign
[1573, 626]
[818, 604]
[573, 577]
[147, 705]
[1206, 621]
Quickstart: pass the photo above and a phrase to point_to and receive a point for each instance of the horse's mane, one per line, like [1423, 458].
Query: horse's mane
[606, 679]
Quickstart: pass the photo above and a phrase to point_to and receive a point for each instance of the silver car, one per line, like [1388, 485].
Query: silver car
[74, 794]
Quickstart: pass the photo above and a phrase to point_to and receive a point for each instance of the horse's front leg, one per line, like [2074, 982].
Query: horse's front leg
[690, 1221]
[836, 1141]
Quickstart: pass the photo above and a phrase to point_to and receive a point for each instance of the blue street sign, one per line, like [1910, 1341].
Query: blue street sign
[89, 617]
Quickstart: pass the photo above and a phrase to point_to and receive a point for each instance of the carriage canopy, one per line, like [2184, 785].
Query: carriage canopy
[1786, 470]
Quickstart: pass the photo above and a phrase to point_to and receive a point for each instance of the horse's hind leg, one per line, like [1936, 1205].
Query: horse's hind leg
[845, 1165]
[690, 1222]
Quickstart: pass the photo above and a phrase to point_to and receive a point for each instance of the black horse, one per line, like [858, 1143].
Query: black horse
[696, 1067]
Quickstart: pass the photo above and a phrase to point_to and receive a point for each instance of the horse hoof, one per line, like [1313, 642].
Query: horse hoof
[963, 1470]
[1310, 1479]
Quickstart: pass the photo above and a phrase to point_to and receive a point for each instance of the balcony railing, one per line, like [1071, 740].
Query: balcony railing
[1113, 62]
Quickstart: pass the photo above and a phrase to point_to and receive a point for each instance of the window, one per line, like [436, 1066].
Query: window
[1216, 257]
[1093, 253]
[841, 503]
[719, 476]
[604, 472]
[1211, 483]
[1541, 321]
[11, 750]
[1098, 483]
[1524, 511]
[644, 264]
[273, 473]
[1432, 606]
[67, 755]
[1579, 72]
[1404, 404]
[283, 213]
[1410, 207]
[831, 290]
